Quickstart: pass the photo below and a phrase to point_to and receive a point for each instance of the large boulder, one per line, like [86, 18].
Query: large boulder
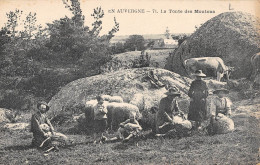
[233, 36]
[124, 83]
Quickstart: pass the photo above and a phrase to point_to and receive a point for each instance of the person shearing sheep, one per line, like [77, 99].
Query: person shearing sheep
[44, 135]
[128, 129]
[170, 119]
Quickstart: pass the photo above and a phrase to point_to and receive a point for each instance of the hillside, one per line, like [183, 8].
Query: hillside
[233, 36]
[126, 60]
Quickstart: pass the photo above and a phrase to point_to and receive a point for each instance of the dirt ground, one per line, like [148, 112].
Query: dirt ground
[238, 147]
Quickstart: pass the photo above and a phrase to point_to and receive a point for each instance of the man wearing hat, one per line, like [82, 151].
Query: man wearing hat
[198, 93]
[168, 108]
[42, 129]
[222, 103]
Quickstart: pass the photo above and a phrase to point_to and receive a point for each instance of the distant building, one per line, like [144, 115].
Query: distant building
[165, 44]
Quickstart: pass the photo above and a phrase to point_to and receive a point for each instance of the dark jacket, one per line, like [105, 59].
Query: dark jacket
[198, 92]
[166, 107]
[36, 120]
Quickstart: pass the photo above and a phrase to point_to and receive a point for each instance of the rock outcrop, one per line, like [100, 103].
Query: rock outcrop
[124, 83]
[233, 36]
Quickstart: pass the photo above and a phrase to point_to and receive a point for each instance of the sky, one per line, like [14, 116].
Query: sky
[158, 14]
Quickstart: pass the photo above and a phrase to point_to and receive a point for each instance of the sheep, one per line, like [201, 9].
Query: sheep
[89, 111]
[119, 112]
[106, 97]
[138, 100]
[110, 99]
[221, 125]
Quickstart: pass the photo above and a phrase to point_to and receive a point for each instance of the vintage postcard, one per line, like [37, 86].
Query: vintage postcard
[129, 82]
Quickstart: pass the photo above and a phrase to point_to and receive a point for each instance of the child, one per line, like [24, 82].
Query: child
[100, 120]
[129, 128]
[198, 94]
[220, 122]
[222, 103]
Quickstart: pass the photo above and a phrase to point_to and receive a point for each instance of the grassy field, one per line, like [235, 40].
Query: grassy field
[239, 147]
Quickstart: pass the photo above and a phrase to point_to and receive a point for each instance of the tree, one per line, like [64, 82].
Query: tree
[30, 25]
[135, 42]
[17, 44]
[117, 48]
[72, 42]
[13, 21]
[180, 38]
[167, 33]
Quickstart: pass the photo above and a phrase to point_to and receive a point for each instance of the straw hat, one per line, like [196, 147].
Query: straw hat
[199, 73]
[173, 91]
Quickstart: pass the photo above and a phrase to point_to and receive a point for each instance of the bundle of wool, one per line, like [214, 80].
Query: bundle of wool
[222, 125]
[45, 127]
[185, 123]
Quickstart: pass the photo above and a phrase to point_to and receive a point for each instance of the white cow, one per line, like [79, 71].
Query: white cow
[211, 66]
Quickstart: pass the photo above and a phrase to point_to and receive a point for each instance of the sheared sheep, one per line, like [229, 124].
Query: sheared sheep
[110, 99]
[221, 125]
[138, 100]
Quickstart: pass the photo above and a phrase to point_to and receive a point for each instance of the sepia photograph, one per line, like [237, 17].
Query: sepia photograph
[130, 82]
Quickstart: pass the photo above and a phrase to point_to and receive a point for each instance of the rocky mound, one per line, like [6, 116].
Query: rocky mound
[124, 83]
[233, 36]
[126, 60]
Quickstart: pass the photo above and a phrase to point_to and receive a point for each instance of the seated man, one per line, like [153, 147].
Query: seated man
[129, 128]
[170, 119]
[43, 131]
